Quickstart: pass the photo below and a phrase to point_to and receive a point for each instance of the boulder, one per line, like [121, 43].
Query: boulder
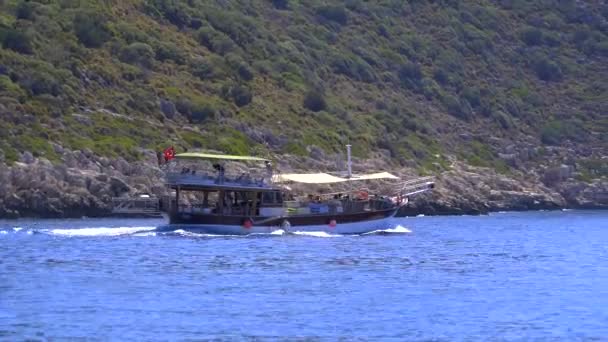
[557, 174]
[57, 148]
[121, 166]
[168, 108]
[118, 187]
[27, 157]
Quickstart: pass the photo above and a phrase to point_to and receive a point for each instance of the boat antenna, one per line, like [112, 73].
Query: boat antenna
[349, 162]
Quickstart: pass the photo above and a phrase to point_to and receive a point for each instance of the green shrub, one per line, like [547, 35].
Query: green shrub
[531, 36]
[281, 4]
[131, 33]
[138, 54]
[593, 168]
[430, 88]
[315, 101]
[7, 85]
[410, 75]
[547, 70]
[476, 40]
[354, 67]
[196, 111]
[25, 10]
[239, 28]
[215, 41]
[40, 82]
[90, 29]
[16, 40]
[457, 108]
[473, 95]
[240, 95]
[244, 71]
[204, 70]
[167, 51]
[503, 120]
[552, 39]
[554, 132]
[201, 112]
[173, 11]
[441, 76]
[336, 13]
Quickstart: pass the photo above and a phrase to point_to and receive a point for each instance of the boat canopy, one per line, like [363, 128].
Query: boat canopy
[325, 178]
[379, 175]
[198, 155]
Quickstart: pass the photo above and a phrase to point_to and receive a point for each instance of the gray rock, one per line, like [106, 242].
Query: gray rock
[121, 166]
[168, 108]
[27, 157]
[104, 162]
[76, 179]
[102, 178]
[558, 174]
[316, 152]
[118, 186]
[58, 148]
[87, 153]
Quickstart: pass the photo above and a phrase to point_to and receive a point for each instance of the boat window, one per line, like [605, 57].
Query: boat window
[279, 198]
[268, 198]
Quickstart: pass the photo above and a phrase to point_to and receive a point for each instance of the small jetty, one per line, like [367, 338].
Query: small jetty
[140, 206]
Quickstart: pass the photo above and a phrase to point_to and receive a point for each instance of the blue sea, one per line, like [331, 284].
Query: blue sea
[538, 276]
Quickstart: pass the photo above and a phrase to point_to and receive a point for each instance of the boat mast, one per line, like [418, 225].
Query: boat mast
[349, 161]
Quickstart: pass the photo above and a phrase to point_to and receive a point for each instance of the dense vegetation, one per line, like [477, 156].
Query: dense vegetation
[419, 79]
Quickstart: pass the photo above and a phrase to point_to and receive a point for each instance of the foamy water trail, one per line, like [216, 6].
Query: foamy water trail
[397, 230]
[317, 234]
[145, 234]
[186, 233]
[99, 231]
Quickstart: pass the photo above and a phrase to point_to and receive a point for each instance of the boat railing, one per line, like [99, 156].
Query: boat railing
[130, 205]
[415, 186]
[194, 178]
[334, 206]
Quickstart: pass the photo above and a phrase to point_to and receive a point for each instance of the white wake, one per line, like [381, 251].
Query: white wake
[100, 231]
[319, 234]
[397, 230]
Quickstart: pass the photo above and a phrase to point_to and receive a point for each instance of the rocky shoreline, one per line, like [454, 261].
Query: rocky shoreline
[83, 184]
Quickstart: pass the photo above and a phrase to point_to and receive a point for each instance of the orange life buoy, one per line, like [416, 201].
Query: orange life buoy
[362, 194]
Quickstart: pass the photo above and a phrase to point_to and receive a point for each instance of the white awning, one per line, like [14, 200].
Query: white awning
[379, 175]
[310, 178]
[325, 178]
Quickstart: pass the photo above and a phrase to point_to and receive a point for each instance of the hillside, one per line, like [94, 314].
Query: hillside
[514, 86]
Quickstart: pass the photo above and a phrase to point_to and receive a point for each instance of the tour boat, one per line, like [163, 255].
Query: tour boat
[240, 195]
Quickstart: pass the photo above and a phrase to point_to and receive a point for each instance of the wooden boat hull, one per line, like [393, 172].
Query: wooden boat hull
[356, 223]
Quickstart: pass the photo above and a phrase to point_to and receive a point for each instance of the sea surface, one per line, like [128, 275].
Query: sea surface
[540, 276]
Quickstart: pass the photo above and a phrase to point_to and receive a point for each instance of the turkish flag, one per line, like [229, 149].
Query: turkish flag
[169, 153]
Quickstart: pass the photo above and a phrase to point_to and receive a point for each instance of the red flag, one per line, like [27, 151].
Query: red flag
[169, 153]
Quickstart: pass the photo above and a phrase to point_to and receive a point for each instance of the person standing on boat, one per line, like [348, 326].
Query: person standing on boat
[220, 169]
[268, 170]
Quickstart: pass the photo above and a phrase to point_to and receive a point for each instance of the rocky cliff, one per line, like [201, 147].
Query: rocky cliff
[84, 184]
